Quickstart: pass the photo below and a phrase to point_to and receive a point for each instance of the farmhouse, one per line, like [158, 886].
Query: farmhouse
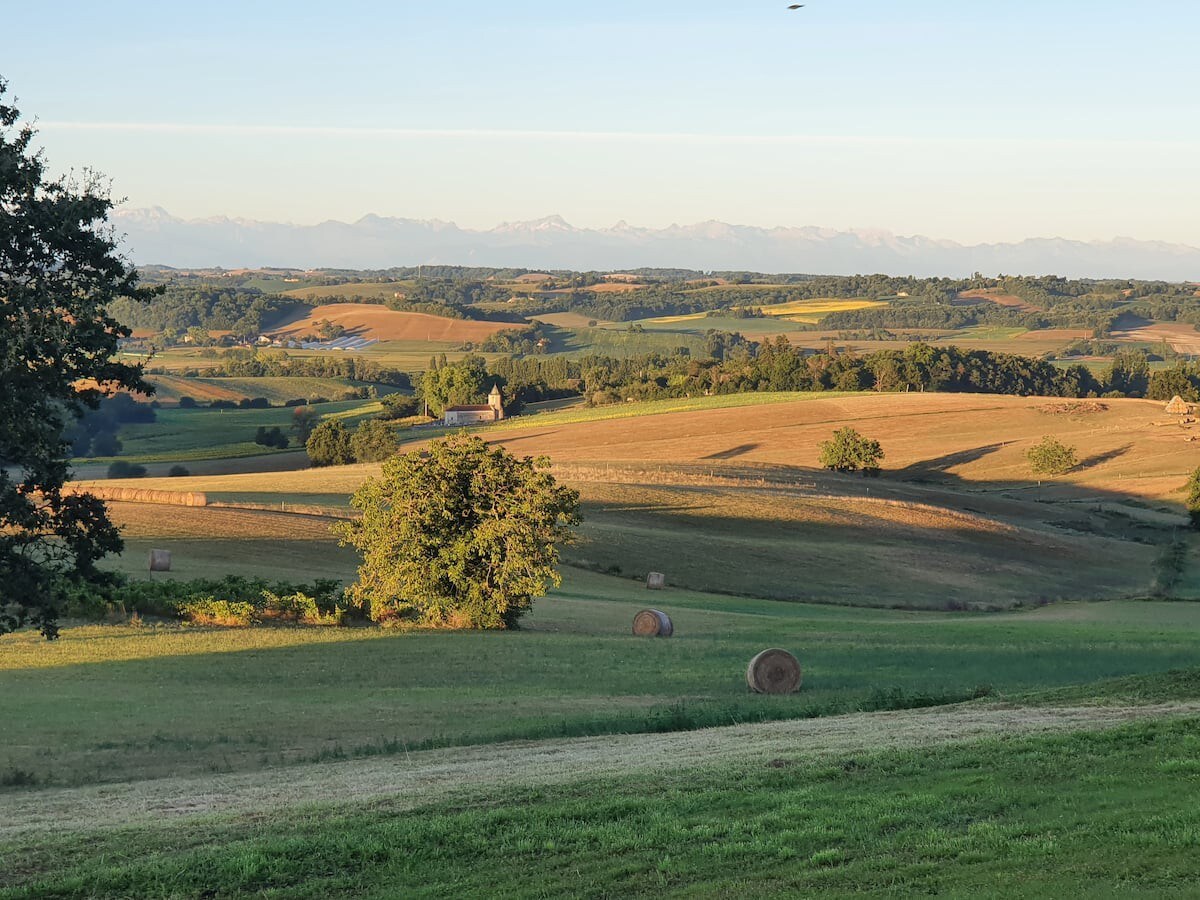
[492, 411]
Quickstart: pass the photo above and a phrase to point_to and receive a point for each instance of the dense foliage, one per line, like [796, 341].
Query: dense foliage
[462, 535]
[1193, 498]
[59, 271]
[242, 362]
[231, 600]
[849, 451]
[1050, 456]
[94, 433]
[329, 444]
[244, 312]
[744, 368]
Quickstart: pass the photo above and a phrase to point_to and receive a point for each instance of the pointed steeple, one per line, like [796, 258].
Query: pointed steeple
[496, 401]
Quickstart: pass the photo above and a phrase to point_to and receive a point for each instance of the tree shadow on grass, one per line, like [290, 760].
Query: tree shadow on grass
[1100, 459]
[942, 464]
[732, 452]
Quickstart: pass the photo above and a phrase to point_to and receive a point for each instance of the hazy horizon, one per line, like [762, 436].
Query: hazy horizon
[155, 236]
[973, 124]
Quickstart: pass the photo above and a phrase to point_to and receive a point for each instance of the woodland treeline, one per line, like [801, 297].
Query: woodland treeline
[246, 363]
[467, 293]
[778, 366]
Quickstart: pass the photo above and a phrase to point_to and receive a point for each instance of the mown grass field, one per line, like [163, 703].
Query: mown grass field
[565, 758]
[169, 388]
[120, 703]
[619, 341]
[182, 435]
[1098, 814]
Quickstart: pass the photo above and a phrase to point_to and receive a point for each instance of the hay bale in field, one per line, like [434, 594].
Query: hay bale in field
[160, 560]
[197, 498]
[774, 672]
[653, 623]
[1177, 407]
[656, 581]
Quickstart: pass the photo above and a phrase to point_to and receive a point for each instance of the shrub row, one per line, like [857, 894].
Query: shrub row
[231, 601]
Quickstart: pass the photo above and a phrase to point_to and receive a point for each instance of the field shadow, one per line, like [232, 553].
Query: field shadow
[733, 452]
[940, 465]
[516, 440]
[1100, 459]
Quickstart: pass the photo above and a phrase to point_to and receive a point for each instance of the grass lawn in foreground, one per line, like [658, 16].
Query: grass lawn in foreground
[112, 703]
[1094, 814]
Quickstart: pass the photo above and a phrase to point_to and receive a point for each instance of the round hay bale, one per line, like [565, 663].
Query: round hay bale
[160, 560]
[774, 672]
[197, 498]
[656, 581]
[652, 623]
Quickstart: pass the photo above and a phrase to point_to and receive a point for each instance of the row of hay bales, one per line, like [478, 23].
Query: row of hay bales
[143, 495]
[773, 671]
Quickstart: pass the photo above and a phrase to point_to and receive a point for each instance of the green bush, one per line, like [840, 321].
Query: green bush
[1051, 457]
[329, 445]
[849, 451]
[123, 469]
[211, 611]
[400, 406]
[374, 441]
[232, 600]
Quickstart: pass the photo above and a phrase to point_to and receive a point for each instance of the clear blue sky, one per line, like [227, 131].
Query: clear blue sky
[965, 120]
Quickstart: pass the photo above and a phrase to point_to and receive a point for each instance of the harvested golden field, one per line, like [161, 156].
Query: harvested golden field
[212, 543]
[994, 295]
[812, 311]
[955, 438]
[172, 387]
[1061, 335]
[805, 543]
[611, 287]
[368, 320]
[731, 499]
[1182, 338]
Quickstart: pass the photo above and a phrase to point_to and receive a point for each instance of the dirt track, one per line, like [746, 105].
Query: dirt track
[413, 780]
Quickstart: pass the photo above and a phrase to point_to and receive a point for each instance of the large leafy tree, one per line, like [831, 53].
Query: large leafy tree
[463, 535]
[1051, 457]
[1193, 498]
[59, 269]
[849, 451]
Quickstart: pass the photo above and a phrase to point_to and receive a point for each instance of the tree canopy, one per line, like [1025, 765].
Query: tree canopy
[1050, 456]
[849, 451]
[59, 272]
[462, 535]
[1193, 498]
[329, 444]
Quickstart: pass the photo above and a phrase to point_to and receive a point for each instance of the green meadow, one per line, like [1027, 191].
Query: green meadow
[123, 702]
[1097, 814]
[180, 435]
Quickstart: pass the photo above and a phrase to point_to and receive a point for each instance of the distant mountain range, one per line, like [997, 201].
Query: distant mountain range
[154, 236]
